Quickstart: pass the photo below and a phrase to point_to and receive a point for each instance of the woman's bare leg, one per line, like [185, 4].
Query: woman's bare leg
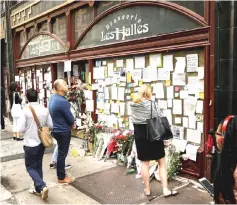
[146, 176]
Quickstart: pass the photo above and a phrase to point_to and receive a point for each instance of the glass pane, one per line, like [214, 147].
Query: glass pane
[60, 28]
[44, 27]
[22, 40]
[104, 5]
[196, 6]
[83, 18]
[42, 45]
[136, 22]
[31, 33]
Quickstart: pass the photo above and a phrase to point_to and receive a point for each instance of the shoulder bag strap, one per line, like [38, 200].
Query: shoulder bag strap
[14, 97]
[35, 116]
[151, 109]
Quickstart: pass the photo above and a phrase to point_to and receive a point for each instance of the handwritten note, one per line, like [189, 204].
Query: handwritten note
[168, 62]
[119, 63]
[137, 74]
[163, 74]
[140, 62]
[179, 79]
[155, 60]
[192, 62]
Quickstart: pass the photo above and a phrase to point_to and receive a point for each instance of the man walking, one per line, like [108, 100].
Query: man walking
[34, 149]
[63, 121]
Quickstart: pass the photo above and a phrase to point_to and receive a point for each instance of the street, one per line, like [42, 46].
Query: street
[96, 181]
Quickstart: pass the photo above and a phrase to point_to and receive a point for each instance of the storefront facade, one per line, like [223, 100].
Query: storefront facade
[117, 46]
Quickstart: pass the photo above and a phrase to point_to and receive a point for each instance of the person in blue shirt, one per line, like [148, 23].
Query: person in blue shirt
[63, 122]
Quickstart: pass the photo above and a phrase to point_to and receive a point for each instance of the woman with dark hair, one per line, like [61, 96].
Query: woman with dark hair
[225, 184]
[15, 99]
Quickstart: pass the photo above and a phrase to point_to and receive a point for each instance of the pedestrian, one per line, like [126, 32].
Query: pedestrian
[63, 122]
[2, 109]
[53, 164]
[146, 150]
[225, 184]
[15, 113]
[33, 148]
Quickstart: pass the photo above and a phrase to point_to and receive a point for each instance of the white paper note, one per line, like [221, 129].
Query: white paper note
[78, 122]
[191, 152]
[155, 60]
[162, 104]
[159, 90]
[177, 107]
[121, 93]
[177, 120]
[99, 73]
[163, 74]
[107, 108]
[178, 132]
[128, 112]
[180, 145]
[90, 105]
[114, 92]
[67, 65]
[183, 94]
[110, 67]
[185, 122]
[168, 114]
[179, 78]
[192, 62]
[189, 108]
[170, 92]
[180, 64]
[200, 126]
[170, 103]
[17, 78]
[200, 73]
[107, 93]
[137, 74]
[199, 108]
[192, 121]
[119, 63]
[194, 136]
[129, 64]
[193, 84]
[115, 107]
[122, 108]
[140, 62]
[168, 62]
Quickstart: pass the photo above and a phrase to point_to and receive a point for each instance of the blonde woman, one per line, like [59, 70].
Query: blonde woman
[141, 111]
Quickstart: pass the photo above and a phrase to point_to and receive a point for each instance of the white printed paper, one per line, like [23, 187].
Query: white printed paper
[191, 152]
[155, 60]
[170, 92]
[119, 63]
[179, 79]
[183, 94]
[163, 74]
[67, 65]
[185, 122]
[194, 136]
[168, 62]
[177, 107]
[159, 90]
[180, 64]
[129, 64]
[192, 121]
[162, 104]
[107, 93]
[200, 126]
[178, 132]
[180, 145]
[121, 93]
[200, 73]
[107, 108]
[122, 108]
[90, 105]
[199, 108]
[114, 92]
[88, 94]
[170, 103]
[140, 62]
[115, 107]
[189, 108]
[192, 62]
[137, 74]
[98, 73]
[110, 67]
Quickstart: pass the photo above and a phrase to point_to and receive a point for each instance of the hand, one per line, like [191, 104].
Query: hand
[166, 143]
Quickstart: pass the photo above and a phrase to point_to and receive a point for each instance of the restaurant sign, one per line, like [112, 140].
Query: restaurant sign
[133, 23]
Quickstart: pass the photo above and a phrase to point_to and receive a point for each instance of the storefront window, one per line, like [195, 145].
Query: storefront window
[136, 22]
[22, 40]
[60, 28]
[104, 5]
[31, 32]
[83, 18]
[44, 27]
[42, 45]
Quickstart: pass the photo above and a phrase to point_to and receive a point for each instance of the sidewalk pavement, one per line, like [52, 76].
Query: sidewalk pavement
[15, 181]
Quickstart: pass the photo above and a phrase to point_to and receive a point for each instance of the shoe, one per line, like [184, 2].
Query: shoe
[3, 130]
[146, 194]
[53, 166]
[19, 139]
[66, 180]
[68, 166]
[14, 138]
[44, 193]
[33, 191]
[172, 193]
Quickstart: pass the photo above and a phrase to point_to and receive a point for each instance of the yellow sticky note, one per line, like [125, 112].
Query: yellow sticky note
[140, 82]
[89, 78]
[129, 77]
[118, 102]
[115, 69]
[89, 87]
[167, 83]
[132, 95]
[119, 114]
[201, 95]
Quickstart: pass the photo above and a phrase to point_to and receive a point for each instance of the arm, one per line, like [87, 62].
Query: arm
[66, 112]
[22, 123]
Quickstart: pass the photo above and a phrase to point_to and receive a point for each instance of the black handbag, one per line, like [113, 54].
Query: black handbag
[158, 128]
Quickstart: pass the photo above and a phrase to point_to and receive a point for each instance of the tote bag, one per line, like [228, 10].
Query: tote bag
[158, 128]
[16, 108]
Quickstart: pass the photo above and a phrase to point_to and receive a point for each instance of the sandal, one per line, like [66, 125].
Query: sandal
[172, 193]
[146, 194]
